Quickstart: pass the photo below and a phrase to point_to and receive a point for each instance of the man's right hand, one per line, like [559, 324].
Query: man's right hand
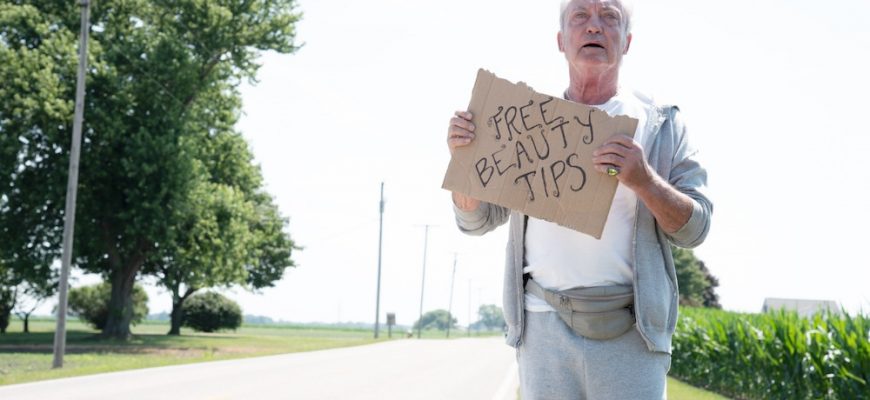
[461, 133]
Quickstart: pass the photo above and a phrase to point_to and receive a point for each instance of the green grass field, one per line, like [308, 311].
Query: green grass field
[28, 357]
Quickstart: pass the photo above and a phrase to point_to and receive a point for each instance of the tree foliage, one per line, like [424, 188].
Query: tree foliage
[697, 285]
[230, 232]
[159, 147]
[91, 304]
[211, 312]
[36, 63]
[436, 319]
[490, 316]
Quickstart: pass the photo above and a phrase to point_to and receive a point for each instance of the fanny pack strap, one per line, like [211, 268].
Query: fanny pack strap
[602, 312]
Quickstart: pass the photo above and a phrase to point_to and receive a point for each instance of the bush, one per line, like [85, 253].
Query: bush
[773, 356]
[91, 303]
[210, 312]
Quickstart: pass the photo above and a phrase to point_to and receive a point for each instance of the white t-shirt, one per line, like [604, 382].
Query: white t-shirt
[560, 258]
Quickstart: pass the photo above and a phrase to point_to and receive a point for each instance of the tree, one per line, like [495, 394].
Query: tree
[211, 311]
[710, 298]
[22, 291]
[490, 316]
[37, 68]
[163, 75]
[91, 304]
[29, 297]
[697, 285]
[437, 319]
[231, 233]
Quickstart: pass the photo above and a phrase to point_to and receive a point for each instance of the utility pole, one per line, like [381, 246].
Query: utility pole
[423, 284]
[71, 190]
[380, 247]
[450, 306]
[469, 307]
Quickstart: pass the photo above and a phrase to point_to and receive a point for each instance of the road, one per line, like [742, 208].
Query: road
[401, 369]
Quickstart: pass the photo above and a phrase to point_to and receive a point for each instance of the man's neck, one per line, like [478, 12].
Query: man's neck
[593, 88]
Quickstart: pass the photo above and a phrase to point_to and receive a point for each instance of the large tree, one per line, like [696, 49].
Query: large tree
[156, 68]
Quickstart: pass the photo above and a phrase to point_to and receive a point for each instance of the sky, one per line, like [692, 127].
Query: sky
[773, 92]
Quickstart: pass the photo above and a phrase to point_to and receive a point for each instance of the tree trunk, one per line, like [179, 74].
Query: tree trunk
[121, 304]
[177, 310]
[175, 319]
[27, 323]
[5, 314]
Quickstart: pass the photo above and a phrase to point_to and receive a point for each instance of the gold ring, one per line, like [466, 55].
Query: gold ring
[612, 171]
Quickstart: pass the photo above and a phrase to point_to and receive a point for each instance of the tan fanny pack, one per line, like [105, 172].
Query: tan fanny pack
[602, 312]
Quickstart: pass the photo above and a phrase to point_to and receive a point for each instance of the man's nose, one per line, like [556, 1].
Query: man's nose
[594, 25]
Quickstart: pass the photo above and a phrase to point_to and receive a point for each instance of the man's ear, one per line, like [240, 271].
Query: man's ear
[627, 44]
[559, 41]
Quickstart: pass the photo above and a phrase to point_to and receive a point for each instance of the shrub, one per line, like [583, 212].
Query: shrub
[91, 303]
[210, 312]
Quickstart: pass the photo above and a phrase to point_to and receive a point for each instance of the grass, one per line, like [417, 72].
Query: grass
[28, 357]
[682, 391]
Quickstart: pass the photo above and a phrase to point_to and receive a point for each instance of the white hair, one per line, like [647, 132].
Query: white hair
[627, 10]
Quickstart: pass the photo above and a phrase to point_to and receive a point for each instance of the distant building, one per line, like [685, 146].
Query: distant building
[804, 308]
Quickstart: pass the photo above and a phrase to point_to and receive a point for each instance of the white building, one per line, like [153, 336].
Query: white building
[804, 308]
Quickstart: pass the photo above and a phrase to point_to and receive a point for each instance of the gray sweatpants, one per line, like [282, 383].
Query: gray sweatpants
[555, 364]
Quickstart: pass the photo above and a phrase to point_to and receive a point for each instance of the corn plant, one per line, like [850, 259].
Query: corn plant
[777, 355]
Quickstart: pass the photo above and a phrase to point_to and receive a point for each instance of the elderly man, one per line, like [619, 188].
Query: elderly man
[594, 318]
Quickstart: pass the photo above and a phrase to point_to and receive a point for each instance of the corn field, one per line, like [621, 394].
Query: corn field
[773, 356]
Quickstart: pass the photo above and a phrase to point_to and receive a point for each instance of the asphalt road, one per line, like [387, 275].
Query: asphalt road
[402, 369]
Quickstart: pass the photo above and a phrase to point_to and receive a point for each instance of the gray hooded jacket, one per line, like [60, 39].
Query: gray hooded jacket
[655, 283]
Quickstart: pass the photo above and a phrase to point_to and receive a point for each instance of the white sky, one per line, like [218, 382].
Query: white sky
[773, 91]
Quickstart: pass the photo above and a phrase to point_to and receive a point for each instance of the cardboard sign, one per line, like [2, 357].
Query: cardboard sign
[533, 153]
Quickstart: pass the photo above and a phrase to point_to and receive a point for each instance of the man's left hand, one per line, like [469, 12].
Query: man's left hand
[626, 156]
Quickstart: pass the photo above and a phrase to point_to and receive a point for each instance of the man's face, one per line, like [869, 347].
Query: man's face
[593, 34]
